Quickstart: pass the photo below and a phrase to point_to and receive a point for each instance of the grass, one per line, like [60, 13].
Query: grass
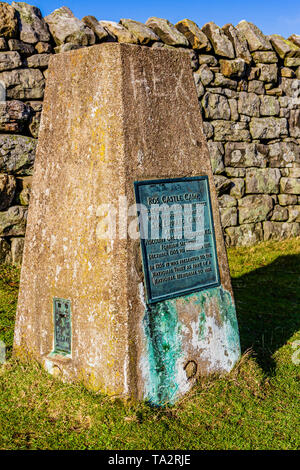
[256, 406]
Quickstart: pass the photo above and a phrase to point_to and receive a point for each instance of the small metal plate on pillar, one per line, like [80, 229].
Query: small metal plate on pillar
[62, 326]
[185, 260]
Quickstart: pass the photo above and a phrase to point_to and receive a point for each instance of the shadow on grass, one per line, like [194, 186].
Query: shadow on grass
[267, 301]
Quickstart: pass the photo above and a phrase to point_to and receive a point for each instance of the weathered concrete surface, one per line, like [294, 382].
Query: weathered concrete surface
[94, 142]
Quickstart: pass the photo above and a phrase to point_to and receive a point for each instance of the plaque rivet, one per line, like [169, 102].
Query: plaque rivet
[190, 369]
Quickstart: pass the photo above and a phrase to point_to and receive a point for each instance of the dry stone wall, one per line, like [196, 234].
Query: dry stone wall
[248, 86]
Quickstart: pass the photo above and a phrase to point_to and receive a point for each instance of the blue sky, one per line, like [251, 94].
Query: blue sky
[281, 17]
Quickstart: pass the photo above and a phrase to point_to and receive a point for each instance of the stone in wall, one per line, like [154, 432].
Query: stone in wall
[237, 189]
[24, 197]
[31, 24]
[9, 60]
[38, 61]
[198, 83]
[220, 42]
[291, 87]
[222, 184]
[21, 47]
[294, 123]
[244, 155]
[238, 41]
[280, 214]
[234, 115]
[244, 235]
[235, 172]
[205, 74]
[262, 180]
[290, 185]
[287, 50]
[229, 216]
[66, 28]
[280, 230]
[3, 44]
[292, 61]
[287, 72]
[223, 82]
[294, 172]
[5, 251]
[66, 47]
[35, 117]
[13, 221]
[283, 154]
[269, 106]
[256, 86]
[17, 154]
[17, 247]
[208, 129]
[231, 131]
[13, 116]
[92, 23]
[23, 189]
[294, 213]
[280, 45]
[268, 128]
[287, 199]
[256, 40]
[295, 38]
[8, 21]
[216, 151]
[249, 104]
[141, 32]
[197, 39]
[167, 32]
[227, 201]
[208, 60]
[118, 31]
[264, 57]
[23, 83]
[233, 68]
[254, 208]
[215, 106]
[7, 190]
[267, 72]
[43, 47]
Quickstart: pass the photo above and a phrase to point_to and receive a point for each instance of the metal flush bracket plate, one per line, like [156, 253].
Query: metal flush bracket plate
[62, 326]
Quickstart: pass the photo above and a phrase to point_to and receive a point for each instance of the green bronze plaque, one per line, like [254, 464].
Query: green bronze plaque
[177, 236]
[62, 326]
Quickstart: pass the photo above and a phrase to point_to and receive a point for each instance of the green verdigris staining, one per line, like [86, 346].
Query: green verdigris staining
[162, 330]
[165, 345]
[228, 313]
[202, 328]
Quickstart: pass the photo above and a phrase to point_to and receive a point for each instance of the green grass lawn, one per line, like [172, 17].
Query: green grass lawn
[256, 406]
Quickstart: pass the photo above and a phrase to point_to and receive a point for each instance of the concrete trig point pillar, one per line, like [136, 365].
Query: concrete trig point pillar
[129, 317]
